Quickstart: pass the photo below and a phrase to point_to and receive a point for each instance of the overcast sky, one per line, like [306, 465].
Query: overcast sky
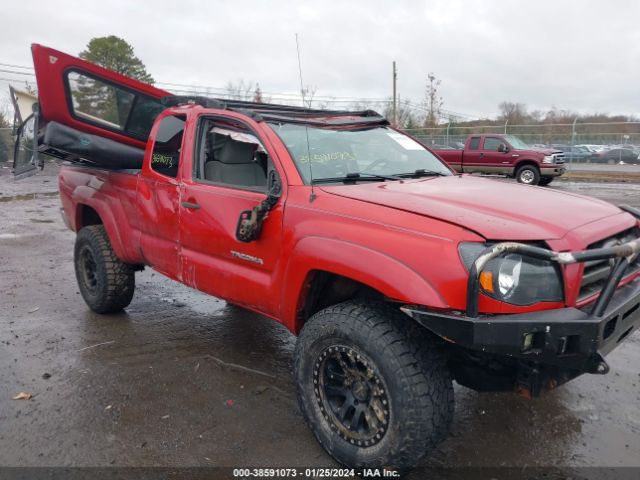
[577, 55]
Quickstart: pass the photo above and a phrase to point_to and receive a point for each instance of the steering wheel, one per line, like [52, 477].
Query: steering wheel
[332, 168]
[374, 164]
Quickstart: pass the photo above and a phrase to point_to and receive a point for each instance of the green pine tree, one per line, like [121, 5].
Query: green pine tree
[116, 54]
[98, 99]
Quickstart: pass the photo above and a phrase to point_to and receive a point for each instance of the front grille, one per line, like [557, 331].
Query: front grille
[596, 272]
[558, 158]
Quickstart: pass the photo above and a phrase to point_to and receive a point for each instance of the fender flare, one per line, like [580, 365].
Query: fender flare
[375, 269]
[522, 161]
[116, 231]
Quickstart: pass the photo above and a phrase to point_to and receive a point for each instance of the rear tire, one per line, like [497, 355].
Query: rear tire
[106, 283]
[545, 181]
[528, 175]
[373, 386]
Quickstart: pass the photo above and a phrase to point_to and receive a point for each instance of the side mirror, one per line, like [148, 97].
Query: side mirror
[502, 148]
[250, 221]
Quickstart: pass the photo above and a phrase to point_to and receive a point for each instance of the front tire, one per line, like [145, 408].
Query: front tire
[373, 386]
[106, 283]
[528, 175]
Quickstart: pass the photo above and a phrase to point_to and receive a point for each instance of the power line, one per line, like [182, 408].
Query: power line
[191, 87]
[15, 66]
[280, 96]
[30, 82]
[17, 73]
[223, 89]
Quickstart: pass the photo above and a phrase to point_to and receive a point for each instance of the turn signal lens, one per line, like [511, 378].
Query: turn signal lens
[486, 281]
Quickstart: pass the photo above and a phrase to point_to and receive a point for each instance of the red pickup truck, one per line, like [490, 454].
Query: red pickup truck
[398, 275]
[505, 155]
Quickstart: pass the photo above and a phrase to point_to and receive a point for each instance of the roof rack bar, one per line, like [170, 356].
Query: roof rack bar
[277, 112]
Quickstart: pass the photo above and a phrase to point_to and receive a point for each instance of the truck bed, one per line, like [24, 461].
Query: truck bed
[113, 192]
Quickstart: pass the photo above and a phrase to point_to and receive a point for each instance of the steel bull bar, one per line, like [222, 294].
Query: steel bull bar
[564, 338]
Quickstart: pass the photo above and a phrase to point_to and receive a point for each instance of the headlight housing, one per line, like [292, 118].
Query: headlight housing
[514, 278]
[547, 159]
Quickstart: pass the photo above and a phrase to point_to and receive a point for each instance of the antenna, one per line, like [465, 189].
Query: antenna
[312, 197]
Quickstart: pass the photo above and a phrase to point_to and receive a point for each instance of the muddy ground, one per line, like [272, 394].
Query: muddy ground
[182, 379]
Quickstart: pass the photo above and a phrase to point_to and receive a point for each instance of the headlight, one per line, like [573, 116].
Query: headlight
[547, 159]
[514, 278]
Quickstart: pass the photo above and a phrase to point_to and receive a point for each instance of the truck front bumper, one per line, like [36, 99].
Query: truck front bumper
[567, 338]
[552, 170]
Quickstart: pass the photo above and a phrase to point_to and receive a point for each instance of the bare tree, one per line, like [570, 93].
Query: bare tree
[433, 101]
[405, 113]
[29, 88]
[308, 92]
[240, 90]
[257, 94]
[514, 112]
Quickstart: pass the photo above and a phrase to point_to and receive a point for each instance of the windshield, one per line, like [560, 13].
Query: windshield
[516, 143]
[339, 153]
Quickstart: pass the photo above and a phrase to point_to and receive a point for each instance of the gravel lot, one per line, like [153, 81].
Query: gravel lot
[185, 380]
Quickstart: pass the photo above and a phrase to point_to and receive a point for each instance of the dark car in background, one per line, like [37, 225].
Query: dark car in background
[617, 155]
[574, 153]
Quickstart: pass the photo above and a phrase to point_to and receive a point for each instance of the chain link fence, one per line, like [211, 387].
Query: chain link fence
[610, 133]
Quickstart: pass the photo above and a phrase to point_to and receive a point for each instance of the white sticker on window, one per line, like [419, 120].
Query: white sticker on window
[406, 142]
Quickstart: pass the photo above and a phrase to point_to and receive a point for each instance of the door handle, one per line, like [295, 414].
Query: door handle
[191, 205]
[481, 155]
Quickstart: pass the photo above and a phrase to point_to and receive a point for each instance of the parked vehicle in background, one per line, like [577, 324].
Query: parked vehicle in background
[574, 153]
[505, 155]
[456, 145]
[593, 147]
[437, 146]
[617, 155]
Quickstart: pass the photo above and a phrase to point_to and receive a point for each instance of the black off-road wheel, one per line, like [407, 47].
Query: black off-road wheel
[545, 181]
[373, 385]
[106, 283]
[528, 174]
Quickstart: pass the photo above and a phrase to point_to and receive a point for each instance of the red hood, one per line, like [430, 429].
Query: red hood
[546, 151]
[496, 210]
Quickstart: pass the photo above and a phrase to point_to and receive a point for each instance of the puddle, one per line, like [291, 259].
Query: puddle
[28, 196]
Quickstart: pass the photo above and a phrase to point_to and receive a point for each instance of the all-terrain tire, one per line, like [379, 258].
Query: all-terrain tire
[544, 181]
[408, 366]
[106, 283]
[528, 174]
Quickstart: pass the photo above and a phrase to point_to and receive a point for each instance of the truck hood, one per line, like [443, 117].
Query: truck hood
[544, 151]
[496, 210]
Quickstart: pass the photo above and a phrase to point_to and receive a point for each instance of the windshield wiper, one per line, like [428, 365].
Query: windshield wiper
[421, 172]
[357, 177]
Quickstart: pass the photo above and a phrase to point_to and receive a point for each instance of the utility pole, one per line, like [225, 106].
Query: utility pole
[395, 105]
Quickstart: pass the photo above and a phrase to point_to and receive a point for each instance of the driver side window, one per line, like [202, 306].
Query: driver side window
[492, 143]
[230, 154]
